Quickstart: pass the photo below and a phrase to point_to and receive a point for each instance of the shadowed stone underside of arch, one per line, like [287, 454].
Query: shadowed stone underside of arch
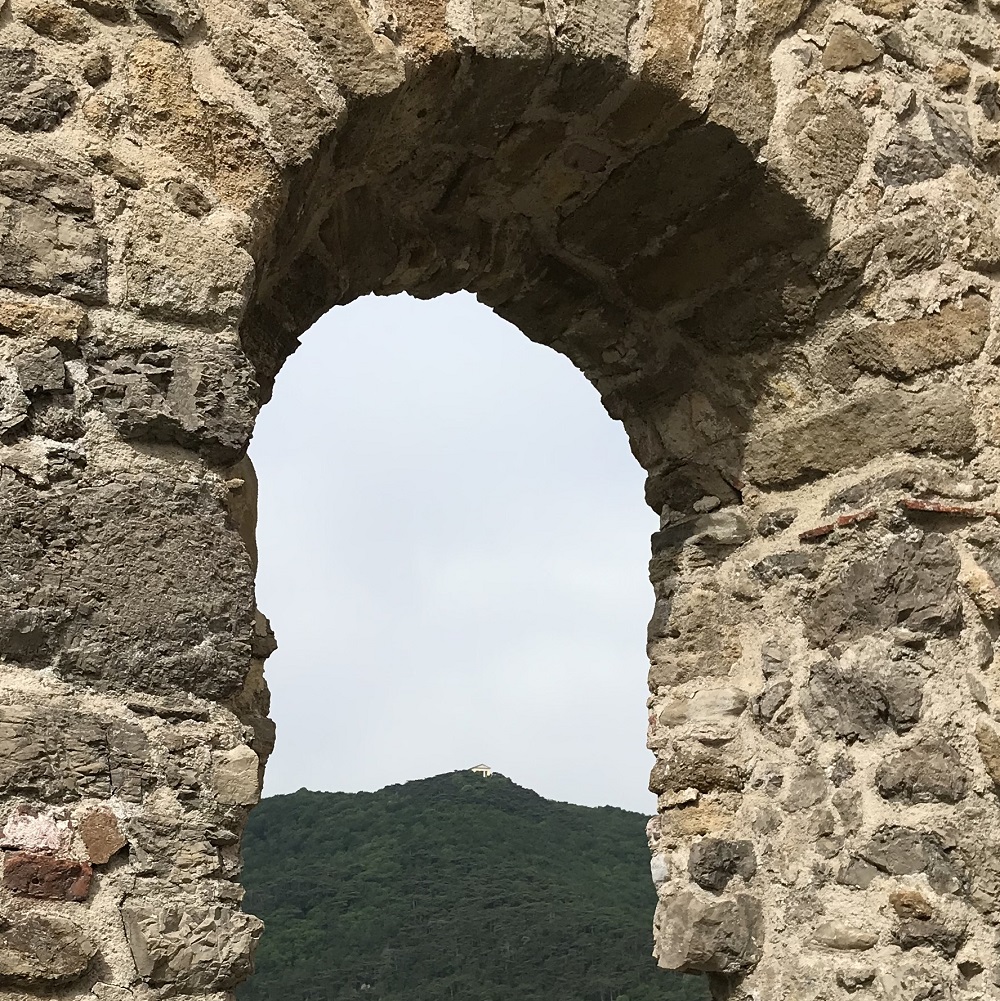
[766, 232]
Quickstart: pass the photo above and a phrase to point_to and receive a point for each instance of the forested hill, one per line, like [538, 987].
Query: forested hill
[455, 887]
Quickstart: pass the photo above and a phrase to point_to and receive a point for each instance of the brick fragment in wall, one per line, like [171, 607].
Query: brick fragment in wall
[38, 829]
[101, 834]
[46, 877]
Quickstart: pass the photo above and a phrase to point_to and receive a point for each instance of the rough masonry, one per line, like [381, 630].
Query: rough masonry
[766, 230]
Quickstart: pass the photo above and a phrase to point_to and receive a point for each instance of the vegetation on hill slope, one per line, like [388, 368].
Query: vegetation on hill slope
[454, 887]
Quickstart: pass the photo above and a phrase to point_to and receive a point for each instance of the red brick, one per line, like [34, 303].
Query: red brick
[820, 532]
[101, 835]
[46, 877]
[856, 517]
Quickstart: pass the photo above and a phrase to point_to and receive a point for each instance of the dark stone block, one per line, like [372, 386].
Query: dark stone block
[713, 862]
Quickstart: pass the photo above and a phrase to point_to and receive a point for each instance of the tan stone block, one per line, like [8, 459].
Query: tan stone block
[235, 776]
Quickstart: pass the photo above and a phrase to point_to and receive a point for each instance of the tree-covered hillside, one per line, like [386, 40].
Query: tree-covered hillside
[454, 887]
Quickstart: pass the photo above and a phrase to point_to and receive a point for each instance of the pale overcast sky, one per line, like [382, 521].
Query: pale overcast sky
[453, 548]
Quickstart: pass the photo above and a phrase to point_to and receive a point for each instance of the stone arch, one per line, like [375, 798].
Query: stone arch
[765, 232]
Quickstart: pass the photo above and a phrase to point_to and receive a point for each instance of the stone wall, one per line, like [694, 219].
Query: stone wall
[766, 231]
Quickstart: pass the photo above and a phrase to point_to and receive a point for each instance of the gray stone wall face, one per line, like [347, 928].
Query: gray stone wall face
[767, 232]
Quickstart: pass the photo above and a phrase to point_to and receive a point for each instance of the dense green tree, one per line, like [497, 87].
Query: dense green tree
[455, 887]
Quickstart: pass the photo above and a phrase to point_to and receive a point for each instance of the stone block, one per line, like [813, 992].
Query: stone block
[937, 420]
[900, 851]
[693, 766]
[235, 776]
[61, 753]
[48, 240]
[193, 947]
[841, 935]
[31, 99]
[924, 146]
[31, 874]
[699, 934]
[174, 18]
[928, 772]
[57, 22]
[913, 583]
[855, 699]
[989, 750]
[907, 348]
[912, 933]
[100, 609]
[710, 714]
[45, 950]
[712, 862]
[847, 49]
[181, 269]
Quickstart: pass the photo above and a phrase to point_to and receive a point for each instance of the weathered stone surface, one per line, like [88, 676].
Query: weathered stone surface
[709, 714]
[695, 766]
[175, 18]
[63, 754]
[910, 584]
[989, 749]
[687, 640]
[900, 851]
[48, 240]
[858, 700]
[924, 147]
[838, 934]
[910, 903]
[713, 862]
[929, 771]
[938, 421]
[235, 775]
[205, 400]
[42, 949]
[765, 233]
[31, 100]
[57, 22]
[197, 948]
[915, 932]
[114, 617]
[46, 877]
[806, 788]
[906, 348]
[707, 935]
[847, 49]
